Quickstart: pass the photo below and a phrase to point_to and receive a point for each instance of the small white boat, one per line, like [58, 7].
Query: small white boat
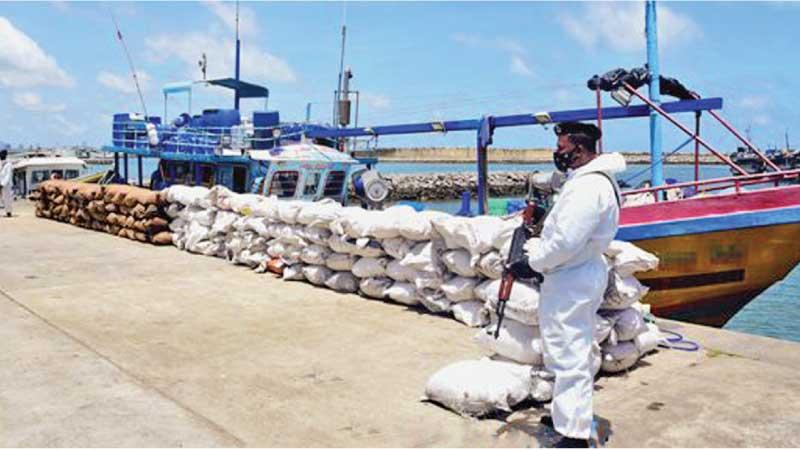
[30, 172]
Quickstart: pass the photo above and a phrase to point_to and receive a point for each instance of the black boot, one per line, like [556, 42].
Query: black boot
[568, 442]
[546, 421]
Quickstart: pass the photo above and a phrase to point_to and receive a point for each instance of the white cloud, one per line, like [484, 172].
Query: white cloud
[123, 83]
[515, 50]
[620, 26]
[762, 119]
[66, 127]
[32, 101]
[376, 101]
[754, 101]
[23, 63]
[257, 64]
[226, 12]
[519, 66]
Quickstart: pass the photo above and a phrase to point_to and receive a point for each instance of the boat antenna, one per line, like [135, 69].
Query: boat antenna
[130, 61]
[238, 50]
[786, 135]
[336, 111]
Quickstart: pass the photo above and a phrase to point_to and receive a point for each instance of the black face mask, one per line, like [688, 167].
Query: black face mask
[563, 161]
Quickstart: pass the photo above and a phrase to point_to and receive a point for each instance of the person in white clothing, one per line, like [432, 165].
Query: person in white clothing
[6, 182]
[569, 255]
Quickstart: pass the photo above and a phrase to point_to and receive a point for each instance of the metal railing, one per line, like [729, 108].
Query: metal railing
[198, 140]
[736, 182]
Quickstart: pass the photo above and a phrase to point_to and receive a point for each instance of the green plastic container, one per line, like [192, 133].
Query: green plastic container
[498, 207]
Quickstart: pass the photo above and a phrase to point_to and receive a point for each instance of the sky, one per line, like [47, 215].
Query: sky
[63, 74]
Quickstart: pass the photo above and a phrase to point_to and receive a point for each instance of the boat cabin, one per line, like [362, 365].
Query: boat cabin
[30, 172]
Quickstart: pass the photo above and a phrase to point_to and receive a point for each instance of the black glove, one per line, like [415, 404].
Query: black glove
[522, 270]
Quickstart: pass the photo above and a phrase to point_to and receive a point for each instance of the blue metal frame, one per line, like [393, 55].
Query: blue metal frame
[656, 171]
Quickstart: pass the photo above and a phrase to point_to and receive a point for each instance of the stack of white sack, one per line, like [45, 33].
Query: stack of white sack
[621, 337]
[448, 264]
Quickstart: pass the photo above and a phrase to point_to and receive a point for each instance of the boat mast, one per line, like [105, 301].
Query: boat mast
[238, 49]
[651, 30]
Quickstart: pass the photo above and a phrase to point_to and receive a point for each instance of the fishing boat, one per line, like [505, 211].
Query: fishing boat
[721, 242]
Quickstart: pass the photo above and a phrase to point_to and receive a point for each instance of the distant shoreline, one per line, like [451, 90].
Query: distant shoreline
[503, 155]
[452, 155]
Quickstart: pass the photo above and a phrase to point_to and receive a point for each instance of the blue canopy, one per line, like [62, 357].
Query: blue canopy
[245, 89]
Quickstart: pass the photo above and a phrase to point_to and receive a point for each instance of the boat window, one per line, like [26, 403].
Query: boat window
[178, 172]
[284, 184]
[70, 174]
[334, 184]
[205, 174]
[311, 183]
[239, 179]
[37, 176]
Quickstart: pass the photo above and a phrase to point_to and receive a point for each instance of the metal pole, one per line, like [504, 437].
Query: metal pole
[664, 114]
[139, 163]
[599, 120]
[746, 142]
[238, 49]
[651, 30]
[125, 161]
[697, 146]
[308, 112]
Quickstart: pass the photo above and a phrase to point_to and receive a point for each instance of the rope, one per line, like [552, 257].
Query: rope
[676, 341]
[660, 161]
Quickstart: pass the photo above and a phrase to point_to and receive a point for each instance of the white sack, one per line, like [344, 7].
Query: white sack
[422, 257]
[477, 388]
[173, 210]
[470, 313]
[315, 255]
[275, 248]
[428, 280]
[340, 261]
[293, 272]
[399, 272]
[522, 305]
[375, 287]
[289, 209]
[291, 254]
[244, 203]
[648, 341]
[397, 247]
[203, 216]
[628, 259]
[622, 291]
[628, 323]
[617, 358]
[370, 267]
[460, 289]
[458, 261]
[317, 275]
[316, 235]
[365, 247]
[319, 214]
[177, 224]
[604, 330]
[404, 293]
[474, 234]
[434, 300]
[417, 226]
[517, 341]
[188, 195]
[505, 231]
[491, 265]
[342, 282]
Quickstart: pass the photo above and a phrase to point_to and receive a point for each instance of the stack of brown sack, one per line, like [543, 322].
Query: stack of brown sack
[126, 211]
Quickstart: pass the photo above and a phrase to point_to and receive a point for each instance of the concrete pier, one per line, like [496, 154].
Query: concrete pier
[110, 342]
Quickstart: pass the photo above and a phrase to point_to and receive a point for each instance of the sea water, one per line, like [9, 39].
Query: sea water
[774, 313]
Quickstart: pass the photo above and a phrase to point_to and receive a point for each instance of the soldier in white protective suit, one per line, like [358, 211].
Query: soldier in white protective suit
[569, 255]
[6, 182]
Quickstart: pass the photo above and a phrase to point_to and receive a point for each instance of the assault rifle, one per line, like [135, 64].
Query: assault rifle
[532, 221]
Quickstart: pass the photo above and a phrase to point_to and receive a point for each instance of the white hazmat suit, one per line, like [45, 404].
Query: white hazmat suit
[7, 185]
[575, 234]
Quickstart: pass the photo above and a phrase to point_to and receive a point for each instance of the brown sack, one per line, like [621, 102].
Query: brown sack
[162, 238]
